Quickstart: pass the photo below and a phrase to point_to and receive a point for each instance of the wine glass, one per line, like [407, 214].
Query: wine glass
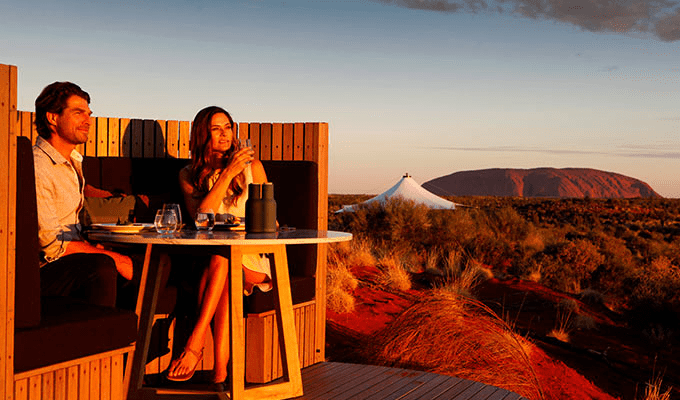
[245, 143]
[165, 221]
[178, 212]
[204, 219]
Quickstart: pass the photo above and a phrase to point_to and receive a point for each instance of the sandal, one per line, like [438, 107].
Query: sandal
[188, 375]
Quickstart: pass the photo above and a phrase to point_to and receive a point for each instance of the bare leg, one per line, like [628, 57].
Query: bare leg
[221, 338]
[210, 292]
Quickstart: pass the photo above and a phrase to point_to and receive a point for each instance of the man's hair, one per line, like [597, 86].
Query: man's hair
[53, 99]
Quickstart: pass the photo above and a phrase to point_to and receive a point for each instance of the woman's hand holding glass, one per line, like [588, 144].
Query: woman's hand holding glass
[245, 144]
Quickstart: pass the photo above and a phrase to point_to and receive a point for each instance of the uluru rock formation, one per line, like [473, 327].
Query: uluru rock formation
[540, 182]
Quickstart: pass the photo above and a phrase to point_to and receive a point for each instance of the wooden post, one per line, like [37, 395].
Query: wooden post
[318, 149]
[8, 125]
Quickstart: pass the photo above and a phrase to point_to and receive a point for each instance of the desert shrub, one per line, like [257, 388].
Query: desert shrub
[463, 281]
[567, 244]
[584, 322]
[338, 299]
[357, 252]
[654, 391]
[392, 273]
[592, 297]
[656, 296]
[568, 266]
[563, 323]
[567, 304]
[530, 270]
[451, 229]
[452, 265]
[613, 276]
[532, 243]
[340, 282]
[449, 334]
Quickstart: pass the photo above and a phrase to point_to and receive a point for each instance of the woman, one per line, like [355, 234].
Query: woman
[217, 178]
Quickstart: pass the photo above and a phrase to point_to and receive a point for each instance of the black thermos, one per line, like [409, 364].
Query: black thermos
[260, 208]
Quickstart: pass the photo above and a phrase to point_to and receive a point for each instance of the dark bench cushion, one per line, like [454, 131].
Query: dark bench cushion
[53, 329]
[157, 178]
[295, 191]
[70, 329]
[27, 262]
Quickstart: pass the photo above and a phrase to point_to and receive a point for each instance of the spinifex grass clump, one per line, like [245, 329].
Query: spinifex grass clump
[450, 334]
[340, 282]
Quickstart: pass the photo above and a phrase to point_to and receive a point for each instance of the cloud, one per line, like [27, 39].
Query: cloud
[668, 27]
[630, 151]
[659, 17]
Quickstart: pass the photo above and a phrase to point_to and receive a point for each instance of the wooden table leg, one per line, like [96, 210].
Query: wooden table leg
[146, 306]
[237, 355]
[292, 386]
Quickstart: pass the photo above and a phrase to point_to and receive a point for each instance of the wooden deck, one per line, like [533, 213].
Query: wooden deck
[342, 381]
[331, 380]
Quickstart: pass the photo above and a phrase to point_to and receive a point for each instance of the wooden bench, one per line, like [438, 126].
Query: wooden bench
[62, 347]
[133, 138]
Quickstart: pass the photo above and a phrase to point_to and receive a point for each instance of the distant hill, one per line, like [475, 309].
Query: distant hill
[540, 182]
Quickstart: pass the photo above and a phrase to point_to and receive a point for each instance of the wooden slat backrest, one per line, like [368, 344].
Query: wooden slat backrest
[8, 118]
[124, 137]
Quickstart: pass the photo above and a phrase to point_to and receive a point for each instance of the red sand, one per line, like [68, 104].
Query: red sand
[531, 310]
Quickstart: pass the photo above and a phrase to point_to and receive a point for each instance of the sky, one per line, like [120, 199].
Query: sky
[425, 87]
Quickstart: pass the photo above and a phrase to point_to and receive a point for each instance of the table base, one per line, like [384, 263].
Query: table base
[146, 305]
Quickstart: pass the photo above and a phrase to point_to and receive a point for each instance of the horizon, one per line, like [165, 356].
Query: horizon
[425, 87]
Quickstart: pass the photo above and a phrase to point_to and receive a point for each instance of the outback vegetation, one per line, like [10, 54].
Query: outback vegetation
[494, 289]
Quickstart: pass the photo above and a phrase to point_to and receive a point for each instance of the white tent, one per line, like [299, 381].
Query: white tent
[408, 189]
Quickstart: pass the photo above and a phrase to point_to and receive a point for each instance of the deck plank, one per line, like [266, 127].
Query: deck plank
[324, 379]
[357, 377]
[425, 389]
[462, 392]
[407, 381]
[513, 396]
[359, 391]
[452, 388]
[413, 385]
[485, 393]
[389, 383]
[502, 395]
[343, 381]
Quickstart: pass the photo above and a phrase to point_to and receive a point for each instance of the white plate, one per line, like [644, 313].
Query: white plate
[113, 227]
[224, 225]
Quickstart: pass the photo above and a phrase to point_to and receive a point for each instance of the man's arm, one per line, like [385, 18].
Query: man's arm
[50, 233]
[123, 263]
[91, 191]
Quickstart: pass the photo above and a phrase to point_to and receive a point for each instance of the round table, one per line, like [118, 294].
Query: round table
[239, 243]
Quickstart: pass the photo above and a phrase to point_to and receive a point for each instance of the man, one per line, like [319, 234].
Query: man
[70, 266]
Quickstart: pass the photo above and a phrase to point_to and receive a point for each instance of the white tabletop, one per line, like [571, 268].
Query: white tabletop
[223, 238]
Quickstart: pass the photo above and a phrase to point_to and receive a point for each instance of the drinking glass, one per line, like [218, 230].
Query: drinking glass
[165, 221]
[245, 143]
[204, 219]
[178, 213]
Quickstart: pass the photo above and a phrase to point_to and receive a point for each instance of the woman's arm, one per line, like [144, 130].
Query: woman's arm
[259, 175]
[190, 200]
[215, 196]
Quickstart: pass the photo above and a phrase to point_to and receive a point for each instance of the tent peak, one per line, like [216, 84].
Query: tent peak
[408, 189]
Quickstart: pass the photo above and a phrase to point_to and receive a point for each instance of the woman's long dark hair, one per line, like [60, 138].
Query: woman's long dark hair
[200, 144]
